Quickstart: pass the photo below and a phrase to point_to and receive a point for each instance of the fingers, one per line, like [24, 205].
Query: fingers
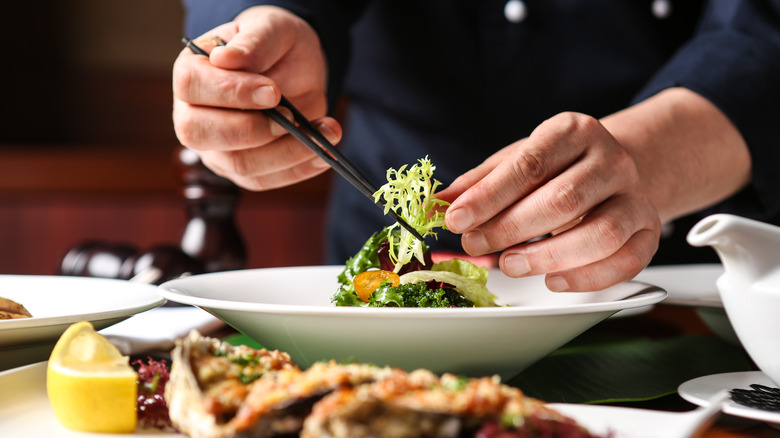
[470, 178]
[554, 206]
[212, 128]
[570, 179]
[282, 162]
[269, 51]
[198, 82]
[612, 243]
[623, 265]
[280, 46]
[549, 179]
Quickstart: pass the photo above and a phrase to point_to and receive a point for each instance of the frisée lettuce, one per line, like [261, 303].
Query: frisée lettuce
[394, 253]
[410, 193]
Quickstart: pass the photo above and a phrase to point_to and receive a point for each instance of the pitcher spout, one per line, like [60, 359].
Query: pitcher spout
[748, 249]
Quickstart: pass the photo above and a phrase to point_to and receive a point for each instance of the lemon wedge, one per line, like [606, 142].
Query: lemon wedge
[91, 385]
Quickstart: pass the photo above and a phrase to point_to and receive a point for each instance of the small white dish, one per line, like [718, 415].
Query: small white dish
[694, 285]
[687, 285]
[625, 422]
[699, 390]
[56, 302]
[289, 309]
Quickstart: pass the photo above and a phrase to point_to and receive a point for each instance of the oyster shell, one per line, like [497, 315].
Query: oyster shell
[209, 381]
[10, 309]
[221, 391]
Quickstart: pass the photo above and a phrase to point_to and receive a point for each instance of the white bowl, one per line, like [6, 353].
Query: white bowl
[289, 309]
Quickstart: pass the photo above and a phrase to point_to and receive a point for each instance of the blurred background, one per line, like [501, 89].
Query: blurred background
[87, 148]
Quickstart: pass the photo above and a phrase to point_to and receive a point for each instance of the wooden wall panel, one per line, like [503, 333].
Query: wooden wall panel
[36, 233]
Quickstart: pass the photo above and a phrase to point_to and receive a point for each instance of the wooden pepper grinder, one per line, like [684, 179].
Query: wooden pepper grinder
[211, 235]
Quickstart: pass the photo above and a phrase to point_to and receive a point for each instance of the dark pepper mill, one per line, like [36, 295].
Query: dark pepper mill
[211, 235]
[211, 240]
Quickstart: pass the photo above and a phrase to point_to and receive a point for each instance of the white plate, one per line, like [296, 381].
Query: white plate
[694, 285]
[289, 309]
[25, 413]
[690, 285]
[699, 390]
[624, 422]
[56, 302]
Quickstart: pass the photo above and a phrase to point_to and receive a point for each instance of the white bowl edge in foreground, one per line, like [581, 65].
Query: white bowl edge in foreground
[289, 309]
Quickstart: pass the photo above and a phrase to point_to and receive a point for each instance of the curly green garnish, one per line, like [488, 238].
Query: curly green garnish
[410, 193]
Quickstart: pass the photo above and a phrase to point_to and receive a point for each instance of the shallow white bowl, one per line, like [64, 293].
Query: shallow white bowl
[289, 309]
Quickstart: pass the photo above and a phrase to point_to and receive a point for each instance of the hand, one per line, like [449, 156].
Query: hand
[269, 51]
[570, 178]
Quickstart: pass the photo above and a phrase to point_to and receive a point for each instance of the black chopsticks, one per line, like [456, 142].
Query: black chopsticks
[314, 140]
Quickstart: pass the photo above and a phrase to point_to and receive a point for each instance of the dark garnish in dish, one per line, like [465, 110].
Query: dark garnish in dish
[151, 406]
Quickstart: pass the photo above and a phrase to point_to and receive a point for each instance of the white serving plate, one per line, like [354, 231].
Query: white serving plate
[289, 309]
[694, 285]
[56, 302]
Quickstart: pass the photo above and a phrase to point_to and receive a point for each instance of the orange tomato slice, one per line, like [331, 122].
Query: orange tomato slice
[368, 281]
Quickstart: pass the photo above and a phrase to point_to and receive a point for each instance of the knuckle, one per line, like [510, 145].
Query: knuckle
[187, 131]
[182, 81]
[566, 201]
[633, 262]
[609, 234]
[528, 166]
[569, 121]
[236, 163]
[501, 235]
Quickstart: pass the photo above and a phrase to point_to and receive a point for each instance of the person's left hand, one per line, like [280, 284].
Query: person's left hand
[570, 179]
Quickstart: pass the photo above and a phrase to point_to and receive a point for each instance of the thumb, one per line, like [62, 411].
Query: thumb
[263, 36]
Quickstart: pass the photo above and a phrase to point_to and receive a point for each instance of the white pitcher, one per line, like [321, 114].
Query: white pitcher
[750, 284]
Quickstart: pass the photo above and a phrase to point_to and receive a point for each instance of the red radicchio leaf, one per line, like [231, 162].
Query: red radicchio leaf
[387, 265]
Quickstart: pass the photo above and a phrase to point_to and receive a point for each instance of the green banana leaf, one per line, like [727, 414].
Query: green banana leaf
[598, 369]
[628, 370]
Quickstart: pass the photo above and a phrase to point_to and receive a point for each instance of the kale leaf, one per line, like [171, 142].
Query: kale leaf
[416, 295]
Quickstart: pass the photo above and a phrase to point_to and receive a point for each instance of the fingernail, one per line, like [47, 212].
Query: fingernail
[459, 219]
[265, 96]
[327, 132]
[516, 265]
[557, 283]
[474, 243]
[319, 163]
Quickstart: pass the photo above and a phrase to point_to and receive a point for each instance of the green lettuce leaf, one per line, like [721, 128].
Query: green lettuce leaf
[464, 268]
[365, 259]
[346, 296]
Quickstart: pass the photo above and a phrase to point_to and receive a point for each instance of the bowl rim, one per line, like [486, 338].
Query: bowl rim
[644, 295]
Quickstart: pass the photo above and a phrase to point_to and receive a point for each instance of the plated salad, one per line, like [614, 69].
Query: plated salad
[394, 269]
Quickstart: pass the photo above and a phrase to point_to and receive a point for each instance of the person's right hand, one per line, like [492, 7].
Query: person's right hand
[269, 51]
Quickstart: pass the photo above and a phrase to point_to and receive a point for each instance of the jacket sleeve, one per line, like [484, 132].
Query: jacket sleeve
[331, 19]
[734, 61]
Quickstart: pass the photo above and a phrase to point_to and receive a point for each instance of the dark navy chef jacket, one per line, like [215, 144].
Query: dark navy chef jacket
[455, 80]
